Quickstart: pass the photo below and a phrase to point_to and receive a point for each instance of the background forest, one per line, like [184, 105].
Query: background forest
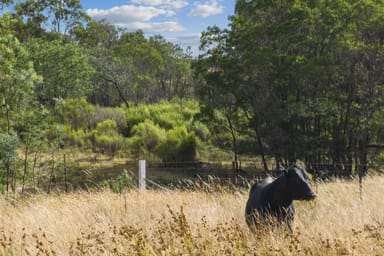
[287, 81]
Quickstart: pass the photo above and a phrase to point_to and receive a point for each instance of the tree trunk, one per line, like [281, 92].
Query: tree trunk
[25, 167]
[262, 152]
[234, 142]
[51, 177]
[121, 95]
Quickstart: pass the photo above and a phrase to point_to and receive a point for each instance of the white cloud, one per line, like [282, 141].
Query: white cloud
[153, 27]
[134, 17]
[174, 4]
[188, 40]
[208, 8]
[129, 13]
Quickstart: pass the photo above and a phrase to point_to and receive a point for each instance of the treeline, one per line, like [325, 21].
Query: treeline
[76, 56]
[67, 80]
[305, 78]
[286, 81]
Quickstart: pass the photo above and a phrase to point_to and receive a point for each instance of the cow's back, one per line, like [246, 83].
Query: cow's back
[255, 199]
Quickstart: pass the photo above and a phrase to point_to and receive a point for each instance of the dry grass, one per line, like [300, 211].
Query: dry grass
[191, 223]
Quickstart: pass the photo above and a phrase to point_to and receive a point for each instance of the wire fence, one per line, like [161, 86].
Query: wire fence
[216, 175]
[224, 173]
[193, 175]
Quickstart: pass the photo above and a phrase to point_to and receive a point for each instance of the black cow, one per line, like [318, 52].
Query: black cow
[274, 198]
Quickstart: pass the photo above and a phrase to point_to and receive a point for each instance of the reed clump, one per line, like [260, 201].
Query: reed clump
[341, 221]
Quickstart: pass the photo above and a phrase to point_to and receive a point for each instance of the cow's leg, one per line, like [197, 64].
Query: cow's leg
[289, 217]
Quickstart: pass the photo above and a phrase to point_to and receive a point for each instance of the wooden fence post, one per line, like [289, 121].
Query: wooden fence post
[142, 171]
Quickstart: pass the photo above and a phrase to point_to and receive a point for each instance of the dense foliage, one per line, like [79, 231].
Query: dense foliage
[307, 74]
[288, 80]
[55, 61]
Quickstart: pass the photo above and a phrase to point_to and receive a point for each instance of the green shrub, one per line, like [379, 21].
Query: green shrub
[164, 117]
[109, 145]
[165, 114]
[78, 137]
[106, 139]
[107, 113]
[201, 131]
[179, 145]
[74, 112]
[106, 127]
[186, 148]
[145, 137]
[136, 115]
[119, 184]
[8, 152]
[8, 147]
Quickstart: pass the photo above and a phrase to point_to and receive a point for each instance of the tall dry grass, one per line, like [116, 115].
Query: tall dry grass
[191, 223]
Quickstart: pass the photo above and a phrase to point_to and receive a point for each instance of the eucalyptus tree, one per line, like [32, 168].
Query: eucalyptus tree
[307, 73]
[65, 69]
[50, 15]
[134, 69]
[94, 33]
[144, 59]
[173, 73]
[5, 3]
[124, 70]
[17, 84]
[112, 79]
[363, 84]
[219, 91]
[18, 78]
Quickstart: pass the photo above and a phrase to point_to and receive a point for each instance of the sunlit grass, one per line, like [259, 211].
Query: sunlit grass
[338, 222]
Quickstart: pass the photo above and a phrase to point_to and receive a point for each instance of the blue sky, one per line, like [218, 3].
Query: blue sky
[179, 21]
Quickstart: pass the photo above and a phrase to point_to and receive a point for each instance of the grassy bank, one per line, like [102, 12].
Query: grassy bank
[191, 223]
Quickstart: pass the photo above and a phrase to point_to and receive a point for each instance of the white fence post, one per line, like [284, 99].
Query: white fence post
[142, 175]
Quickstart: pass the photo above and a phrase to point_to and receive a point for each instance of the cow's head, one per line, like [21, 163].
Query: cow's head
[298, 183]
